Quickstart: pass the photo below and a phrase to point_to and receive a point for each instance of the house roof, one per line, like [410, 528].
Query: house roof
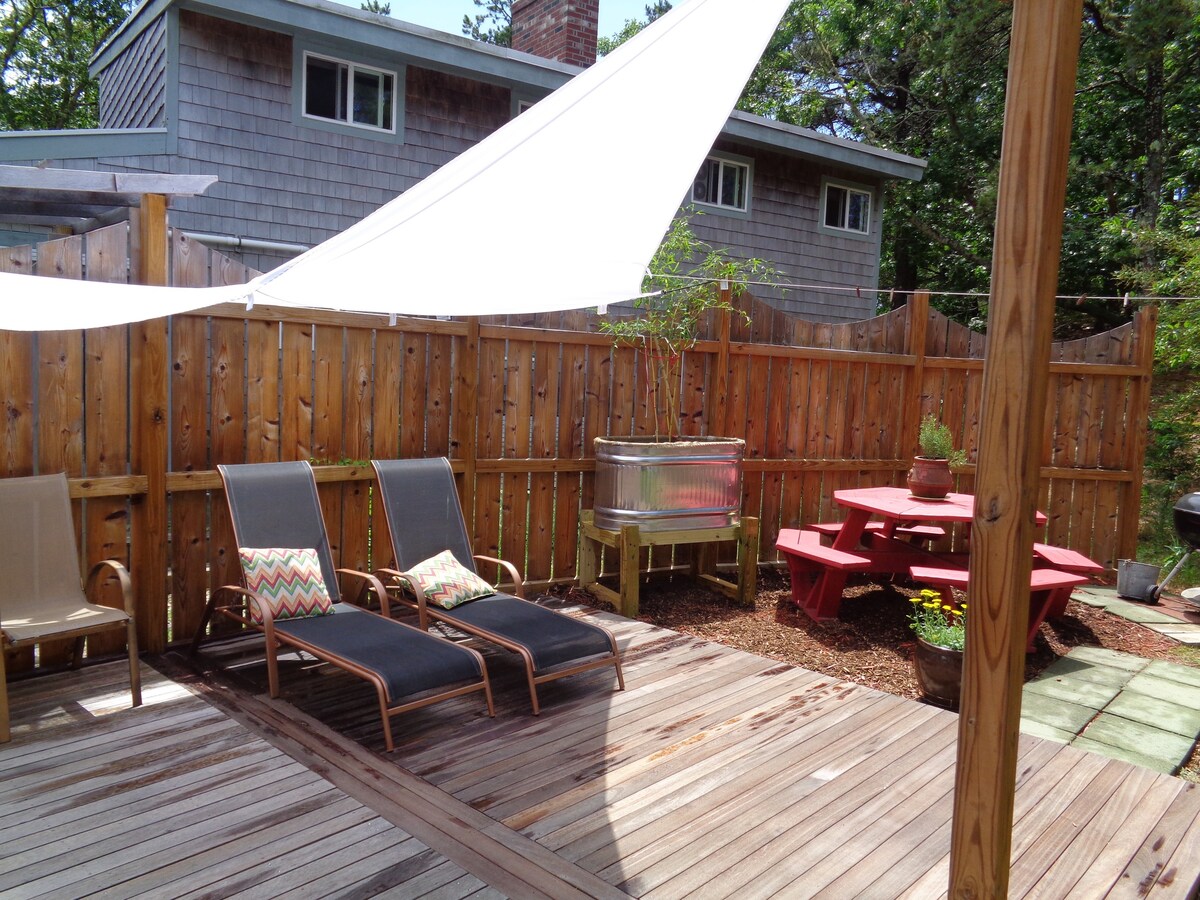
[459, 55]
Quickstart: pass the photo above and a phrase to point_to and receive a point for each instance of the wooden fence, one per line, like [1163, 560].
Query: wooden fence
[139, 416]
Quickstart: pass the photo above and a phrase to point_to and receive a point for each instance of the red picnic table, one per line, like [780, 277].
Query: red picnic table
[892, 545]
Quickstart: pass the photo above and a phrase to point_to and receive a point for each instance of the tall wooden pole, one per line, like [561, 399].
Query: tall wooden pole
[1044, 52]
[148, 378]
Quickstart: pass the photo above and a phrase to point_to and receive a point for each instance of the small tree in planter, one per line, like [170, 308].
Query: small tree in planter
[682, 288]
[664, 483]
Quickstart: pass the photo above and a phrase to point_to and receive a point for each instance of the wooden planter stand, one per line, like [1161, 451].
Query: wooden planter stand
[629, 541]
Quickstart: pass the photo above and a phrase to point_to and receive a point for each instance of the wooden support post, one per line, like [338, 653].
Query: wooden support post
[630, 548]
[588, 567]
[747, 575]
[918, 327]
[149, 432]
[1145, 323]
[718, 410]
[1033, 167]
[465, 414]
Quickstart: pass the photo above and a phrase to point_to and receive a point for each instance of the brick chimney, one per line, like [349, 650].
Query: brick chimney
[565, 30]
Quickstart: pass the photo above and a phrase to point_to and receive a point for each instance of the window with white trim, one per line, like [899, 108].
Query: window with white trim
[723, 183]
[847, 208]
[351, 94]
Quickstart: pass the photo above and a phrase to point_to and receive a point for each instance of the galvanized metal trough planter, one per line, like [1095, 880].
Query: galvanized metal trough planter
[668, 486]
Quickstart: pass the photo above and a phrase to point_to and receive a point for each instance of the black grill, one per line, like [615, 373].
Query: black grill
[1187, 520]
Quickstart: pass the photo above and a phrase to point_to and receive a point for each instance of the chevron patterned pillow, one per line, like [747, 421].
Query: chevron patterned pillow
[448, 583]
[289, 580]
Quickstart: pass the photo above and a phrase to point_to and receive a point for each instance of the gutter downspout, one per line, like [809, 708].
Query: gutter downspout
[251, 245]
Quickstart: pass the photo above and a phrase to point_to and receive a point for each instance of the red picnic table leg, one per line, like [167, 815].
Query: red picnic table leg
[852, 530]
[816, 589]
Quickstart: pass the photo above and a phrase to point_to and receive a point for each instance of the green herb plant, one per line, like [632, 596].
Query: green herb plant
[939, 623]
[682, 288]
[936, 442]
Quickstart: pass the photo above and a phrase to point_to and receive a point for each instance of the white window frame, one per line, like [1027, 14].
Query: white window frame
[520, 103]
[348, 122]
[849, 188]
[725, 159]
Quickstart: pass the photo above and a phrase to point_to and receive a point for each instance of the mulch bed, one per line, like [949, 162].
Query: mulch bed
[871, 643]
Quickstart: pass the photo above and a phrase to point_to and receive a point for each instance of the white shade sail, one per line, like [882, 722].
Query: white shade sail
[561, 208]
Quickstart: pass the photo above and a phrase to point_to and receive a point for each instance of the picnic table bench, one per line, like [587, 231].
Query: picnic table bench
[1068, 561]
[1046, 588]
[915, 533]
[818, 572]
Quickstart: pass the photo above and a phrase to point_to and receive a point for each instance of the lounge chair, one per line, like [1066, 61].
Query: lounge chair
[420, 503]
[40, 594]
[274, 506]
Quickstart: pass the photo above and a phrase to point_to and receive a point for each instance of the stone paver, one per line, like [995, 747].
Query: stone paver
[1165, 689]
[1119, 705]
[1091, 598]
[1093, 695]
[1174, 672]
[1111, 658]
[1049, 732]
[1183, 632]
[1125, 754]
[1061, 714]
[1117, 731]
[1162, 714]
[1143, 615]
[1080, 670]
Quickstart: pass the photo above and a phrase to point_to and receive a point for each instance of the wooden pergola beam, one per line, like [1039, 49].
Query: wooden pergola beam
[1044, 53]
[133, 184]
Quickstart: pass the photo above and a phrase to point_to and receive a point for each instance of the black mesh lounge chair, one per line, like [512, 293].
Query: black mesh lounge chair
[420, 502]
[275, 505]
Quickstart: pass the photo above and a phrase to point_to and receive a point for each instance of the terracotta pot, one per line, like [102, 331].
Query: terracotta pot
[939, 673]
[930, 479]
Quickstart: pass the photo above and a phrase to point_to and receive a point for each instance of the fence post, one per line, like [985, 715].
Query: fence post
[465, 411]
[1145, 323]
[148, 347]
[917, 310]
[718, 410]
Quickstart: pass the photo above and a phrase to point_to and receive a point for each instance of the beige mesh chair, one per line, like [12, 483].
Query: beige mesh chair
[40, 594]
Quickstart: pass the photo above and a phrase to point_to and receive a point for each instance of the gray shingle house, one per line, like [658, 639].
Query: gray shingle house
[313, 114]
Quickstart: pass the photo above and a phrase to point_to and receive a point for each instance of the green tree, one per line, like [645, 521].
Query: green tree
[376, 6]
[924, 78]
[927, 78]
[605, 45]
[45, 47]
[493, 25]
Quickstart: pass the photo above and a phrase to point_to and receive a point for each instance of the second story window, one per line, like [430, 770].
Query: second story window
[847, 209]
[724, 183]
[344, 92]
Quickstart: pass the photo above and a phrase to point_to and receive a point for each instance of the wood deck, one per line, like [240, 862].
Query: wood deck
[716, 774]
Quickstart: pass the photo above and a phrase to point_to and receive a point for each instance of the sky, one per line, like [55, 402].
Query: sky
[447, 15]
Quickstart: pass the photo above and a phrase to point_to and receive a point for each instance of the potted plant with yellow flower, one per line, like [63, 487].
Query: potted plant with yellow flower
[941, 629]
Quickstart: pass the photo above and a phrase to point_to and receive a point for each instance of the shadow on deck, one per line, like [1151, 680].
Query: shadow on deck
[717, 773]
